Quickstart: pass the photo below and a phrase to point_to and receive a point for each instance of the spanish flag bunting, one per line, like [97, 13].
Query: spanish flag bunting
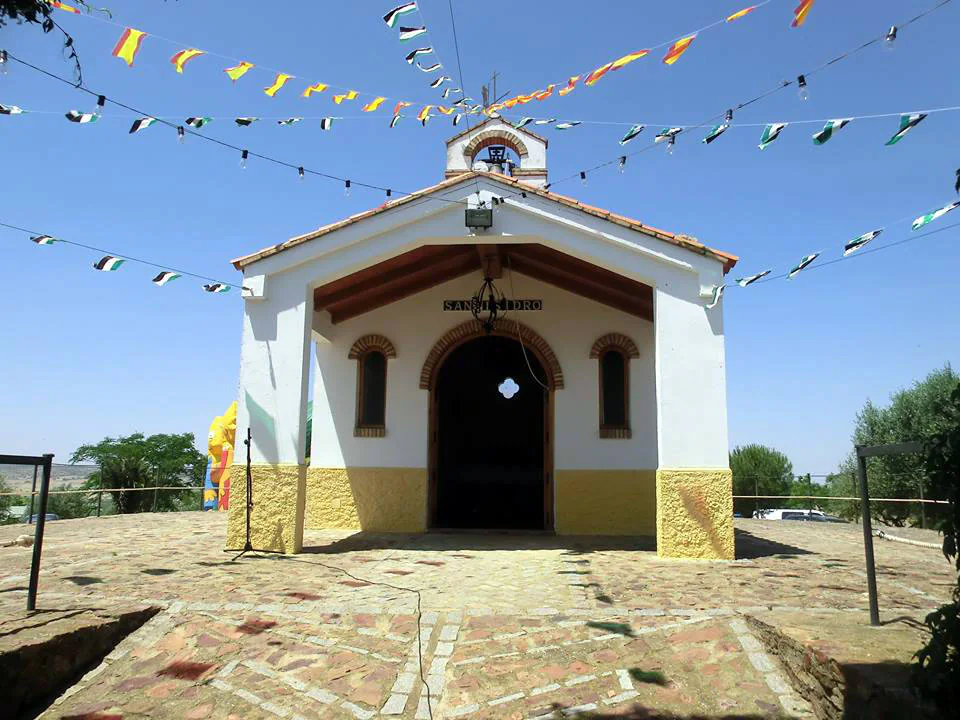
[400, 106]
[108, 263]
[678, 49]
[524, 99]
[627, 59]
[278, 82]
[238, 71]
[445, 110]
[598, 73]
[571, 84]
[391, 17]
[740, 13]
[44, 240]
[373, 104]
[128, 44]
[800, 13]
[350, 95]
[544, 94]
[183, 57]
[315, 88]
[165, 277]
[63, 6]
[424, 113]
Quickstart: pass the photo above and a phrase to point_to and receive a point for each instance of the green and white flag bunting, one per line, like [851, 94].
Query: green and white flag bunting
[108, 263]
[716, 132]
[743, 282]
[717, 294]
[408, 33]
[802, 264]
[440, 81]
[545, 121]
[141, 124]
[326, 123]
[930, 217]
[10, 110]
[79, 117]
[631, 134]
[391, 17]
[667, 133]
[429, 68]
[859, 242]
[567, 125]
[770, 133]
[411, 56]
[165, 277]
[44, 240]
[216, 288]
[457, 118]
[198, 122]
[524, 122]
[829, 129]
[394, 120]
[906, 122]
[289, 121]
[246, 121]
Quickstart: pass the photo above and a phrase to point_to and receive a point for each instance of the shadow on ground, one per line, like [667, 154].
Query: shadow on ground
[507, 540]
[750, 547]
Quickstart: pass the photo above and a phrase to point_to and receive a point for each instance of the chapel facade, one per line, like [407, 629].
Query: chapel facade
[486, 355]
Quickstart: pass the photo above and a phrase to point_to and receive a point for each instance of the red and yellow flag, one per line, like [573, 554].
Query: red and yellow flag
[183, 57]
[278, 82]
[238, 71]
[400, 106]
[597, 74]
[349, 95]
[678, 49]
[445, 110]
[800, 13]
[544, 94]
[315, 88]
[424, 113]
[128, 44]
[627, 59]
[740, 13]
[571, 84]
[373, 104]
[63, 6]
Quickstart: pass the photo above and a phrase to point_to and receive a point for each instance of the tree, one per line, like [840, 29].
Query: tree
[75, 505]
[6, 501]
[937, 672]
[759, 470]
[914, 414]
[136, 461]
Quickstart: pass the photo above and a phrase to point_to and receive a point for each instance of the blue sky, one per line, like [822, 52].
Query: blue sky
[87, 354]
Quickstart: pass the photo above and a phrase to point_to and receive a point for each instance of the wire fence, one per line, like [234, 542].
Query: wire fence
[77, 491]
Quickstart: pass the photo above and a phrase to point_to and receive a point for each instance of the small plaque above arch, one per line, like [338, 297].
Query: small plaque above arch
[370, 342]
[615, 340]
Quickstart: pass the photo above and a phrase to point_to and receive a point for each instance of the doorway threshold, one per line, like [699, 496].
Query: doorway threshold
[488, 531]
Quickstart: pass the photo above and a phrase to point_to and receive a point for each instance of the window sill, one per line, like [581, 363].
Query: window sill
[370, 431]
[616, 433]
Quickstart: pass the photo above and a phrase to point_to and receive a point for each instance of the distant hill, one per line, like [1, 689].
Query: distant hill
[20, 477]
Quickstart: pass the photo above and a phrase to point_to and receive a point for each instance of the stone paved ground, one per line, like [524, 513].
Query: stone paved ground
[447, 625]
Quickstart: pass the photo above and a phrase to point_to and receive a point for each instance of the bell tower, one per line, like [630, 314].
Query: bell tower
[502, 141]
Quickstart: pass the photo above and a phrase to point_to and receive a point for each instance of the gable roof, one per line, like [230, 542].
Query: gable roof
[684, 241]
[524, 131]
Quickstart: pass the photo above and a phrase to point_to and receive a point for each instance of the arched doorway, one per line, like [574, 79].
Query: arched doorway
[491, 429]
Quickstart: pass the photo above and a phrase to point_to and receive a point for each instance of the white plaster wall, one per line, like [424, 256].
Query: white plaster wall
[536, 149]
[569, 323]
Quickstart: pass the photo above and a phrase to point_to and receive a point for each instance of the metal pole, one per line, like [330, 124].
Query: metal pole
[868, 539]
[756, 500]
[809, 492]
[156, 482]
[100, 492]
[38, 534]
[923, 510]
[247, 545]
[33, 492]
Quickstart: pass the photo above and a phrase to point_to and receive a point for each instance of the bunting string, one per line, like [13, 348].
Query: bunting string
[182, 132]
[112, 261]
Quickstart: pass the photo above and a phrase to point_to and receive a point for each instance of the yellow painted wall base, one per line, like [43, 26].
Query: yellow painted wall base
[695, 514]
[606, 502]
[276, 520]
[369, 499]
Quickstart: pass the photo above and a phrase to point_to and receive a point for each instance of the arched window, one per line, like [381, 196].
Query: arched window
[371, 353]
[614, 351]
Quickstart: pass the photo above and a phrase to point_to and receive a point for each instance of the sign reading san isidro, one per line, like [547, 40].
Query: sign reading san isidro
[503, 305]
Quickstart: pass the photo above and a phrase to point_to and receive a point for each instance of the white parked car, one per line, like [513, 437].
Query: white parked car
[790, 514]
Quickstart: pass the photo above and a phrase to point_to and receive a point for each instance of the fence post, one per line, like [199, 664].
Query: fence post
[38, 534]
[809, 493]
[868, 539]
[923, 506]
[33, 493]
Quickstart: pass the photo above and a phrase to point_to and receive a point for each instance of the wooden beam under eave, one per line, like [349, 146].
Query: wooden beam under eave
[424, 279]
[491, 261]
